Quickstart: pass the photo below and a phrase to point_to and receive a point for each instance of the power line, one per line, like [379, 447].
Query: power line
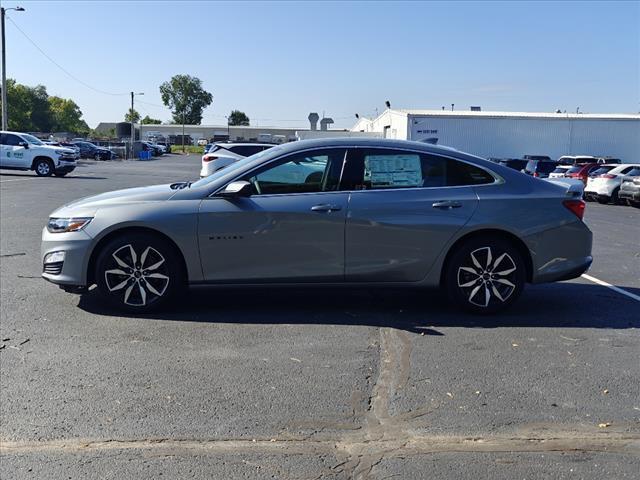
[60, 66]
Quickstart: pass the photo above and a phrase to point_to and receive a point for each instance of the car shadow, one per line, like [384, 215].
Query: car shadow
[564, 305]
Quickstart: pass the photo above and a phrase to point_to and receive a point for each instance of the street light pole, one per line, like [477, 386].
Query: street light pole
[5, 110]
[133, 128]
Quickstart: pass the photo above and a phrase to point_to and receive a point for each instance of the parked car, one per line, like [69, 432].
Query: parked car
[515, 163]
[206, 148]
[157, 149]
[609, 160]
[630, 190]
[582, 171]
[541, 158]
[559, 171]
[378, 211]
[90, 150]
[576, 159]
[605, 187]
[221, 155]
[21, 151]
[540, 168]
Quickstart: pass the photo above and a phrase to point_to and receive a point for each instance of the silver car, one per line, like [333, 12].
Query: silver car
[334, 211]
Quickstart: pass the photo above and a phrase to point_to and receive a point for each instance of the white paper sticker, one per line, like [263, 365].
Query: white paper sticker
[393, 171]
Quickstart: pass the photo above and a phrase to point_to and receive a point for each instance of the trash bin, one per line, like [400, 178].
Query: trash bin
[144, 155]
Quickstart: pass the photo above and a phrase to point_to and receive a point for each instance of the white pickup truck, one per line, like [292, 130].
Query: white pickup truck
[21, 151]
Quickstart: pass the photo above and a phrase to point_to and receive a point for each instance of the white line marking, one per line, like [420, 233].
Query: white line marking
[18, 180]
[612, 287]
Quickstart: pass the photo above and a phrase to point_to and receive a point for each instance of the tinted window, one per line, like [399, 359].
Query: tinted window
[314, 171]
[546, 167]
[634, 173]
[572, 169]
[383, 168]
[246, 150]
[515, 164]
[11, 140]
[600, 171]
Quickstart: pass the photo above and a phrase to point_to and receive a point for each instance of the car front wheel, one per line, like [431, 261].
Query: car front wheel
[485, 275]
[139, 273]
[44, 167]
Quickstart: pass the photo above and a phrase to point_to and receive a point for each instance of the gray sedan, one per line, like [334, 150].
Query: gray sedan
[335, 211]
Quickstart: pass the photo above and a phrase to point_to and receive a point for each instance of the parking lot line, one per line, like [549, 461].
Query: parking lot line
[612, 287]
[18, 180]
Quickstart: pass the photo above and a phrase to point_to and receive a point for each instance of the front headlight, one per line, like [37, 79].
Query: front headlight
[61, 225]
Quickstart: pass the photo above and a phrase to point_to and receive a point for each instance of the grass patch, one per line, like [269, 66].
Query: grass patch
[187, 148]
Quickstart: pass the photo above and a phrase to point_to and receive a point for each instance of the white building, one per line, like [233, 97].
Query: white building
[513, 134]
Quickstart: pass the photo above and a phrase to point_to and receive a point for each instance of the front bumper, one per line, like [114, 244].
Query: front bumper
[77, 248]
[630, 195]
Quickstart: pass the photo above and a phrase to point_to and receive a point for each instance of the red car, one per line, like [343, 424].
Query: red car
[583, 170]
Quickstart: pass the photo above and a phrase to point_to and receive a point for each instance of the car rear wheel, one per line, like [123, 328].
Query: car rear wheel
[485, 275]
[139, 273]
[44, 167]
[97, 157]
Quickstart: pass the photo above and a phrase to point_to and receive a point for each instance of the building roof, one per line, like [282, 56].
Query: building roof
[469, 113]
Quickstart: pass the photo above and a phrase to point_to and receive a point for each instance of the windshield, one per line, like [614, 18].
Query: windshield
[31, 139]
[239, 164]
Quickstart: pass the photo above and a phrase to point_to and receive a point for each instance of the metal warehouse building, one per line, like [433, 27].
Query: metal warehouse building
[514, 134]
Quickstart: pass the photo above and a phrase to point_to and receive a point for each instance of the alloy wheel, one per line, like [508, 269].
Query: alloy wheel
[43, 168]
[141, 279]
[487, 278]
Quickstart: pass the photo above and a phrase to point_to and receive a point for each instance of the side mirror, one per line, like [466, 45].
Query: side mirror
[240, 188]
[23, 144]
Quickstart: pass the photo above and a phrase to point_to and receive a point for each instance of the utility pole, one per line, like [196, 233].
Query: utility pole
[5, 110]
[183, 130]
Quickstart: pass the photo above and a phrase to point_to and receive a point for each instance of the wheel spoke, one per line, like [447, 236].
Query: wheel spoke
[489, 257]
[134, 257]
[117, 287]
[505, 282]
[487, 295]
[155, 266]
[120, 262]
[143, 294]
[474, 292]
[505, 272]
[116, 271]
[143, 257]
[475, 260]
[470, 270]
[127, 294]
[497, 293]
[157, 275]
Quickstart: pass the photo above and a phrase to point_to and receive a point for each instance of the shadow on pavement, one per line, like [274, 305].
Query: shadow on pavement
[33, 175]
[564, 305]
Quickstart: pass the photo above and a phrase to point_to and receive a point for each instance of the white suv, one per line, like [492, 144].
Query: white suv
[21, 151]
[221, 155]
[604, 187]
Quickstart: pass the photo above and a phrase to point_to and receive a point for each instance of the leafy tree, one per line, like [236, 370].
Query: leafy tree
[186, 98]
[147, 120]
[132, 116]
[67, 116]
[238, 118]
[31, 109]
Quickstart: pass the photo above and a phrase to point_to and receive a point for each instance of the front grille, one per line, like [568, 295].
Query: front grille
[53, 268]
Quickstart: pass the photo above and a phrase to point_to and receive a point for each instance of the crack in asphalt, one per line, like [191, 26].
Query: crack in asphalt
[383, 435]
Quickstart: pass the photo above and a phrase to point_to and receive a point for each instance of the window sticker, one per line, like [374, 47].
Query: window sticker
[393, 171]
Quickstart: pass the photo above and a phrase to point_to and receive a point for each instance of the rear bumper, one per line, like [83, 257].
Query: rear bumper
[560, 253]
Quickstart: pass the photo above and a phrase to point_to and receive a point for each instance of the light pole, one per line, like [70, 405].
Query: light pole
[5, 117]
[228, 128]
[133, 128]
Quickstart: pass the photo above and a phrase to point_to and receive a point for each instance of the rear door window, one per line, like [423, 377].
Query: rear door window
[12, 140]
[379, 169]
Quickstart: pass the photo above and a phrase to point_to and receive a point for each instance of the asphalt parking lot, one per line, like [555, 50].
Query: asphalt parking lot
[312, 383]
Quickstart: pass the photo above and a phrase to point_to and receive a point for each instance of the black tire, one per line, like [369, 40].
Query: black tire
[603, 200]
[472, 281]
[127, 285]
[614, 197]
[60, 174]
[44, 167]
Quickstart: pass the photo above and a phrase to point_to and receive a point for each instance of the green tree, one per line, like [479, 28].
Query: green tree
[132, 116]
[238, 118]
[67, 116]
[186, 98]
[28, 108]
[147, 120]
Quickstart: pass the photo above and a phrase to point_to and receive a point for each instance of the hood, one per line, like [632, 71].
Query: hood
[87, 206]
[62, 150]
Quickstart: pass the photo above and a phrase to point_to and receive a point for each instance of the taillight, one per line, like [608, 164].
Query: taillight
[536, 174]
[608, 176]
[576, 207]
[208, 158]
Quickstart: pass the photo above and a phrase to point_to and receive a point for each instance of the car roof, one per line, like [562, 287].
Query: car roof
[242, 144]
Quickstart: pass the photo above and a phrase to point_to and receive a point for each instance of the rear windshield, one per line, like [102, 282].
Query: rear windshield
[560, 170]
[542, 167]
[600, 171]
[574, 169]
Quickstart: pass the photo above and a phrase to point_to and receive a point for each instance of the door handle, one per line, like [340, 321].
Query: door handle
[325, 207]
[446, 204]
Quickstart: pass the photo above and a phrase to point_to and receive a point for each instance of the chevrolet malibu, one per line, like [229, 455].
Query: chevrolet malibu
[367, 212]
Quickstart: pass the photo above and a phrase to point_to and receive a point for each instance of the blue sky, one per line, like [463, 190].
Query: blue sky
[277, 61]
